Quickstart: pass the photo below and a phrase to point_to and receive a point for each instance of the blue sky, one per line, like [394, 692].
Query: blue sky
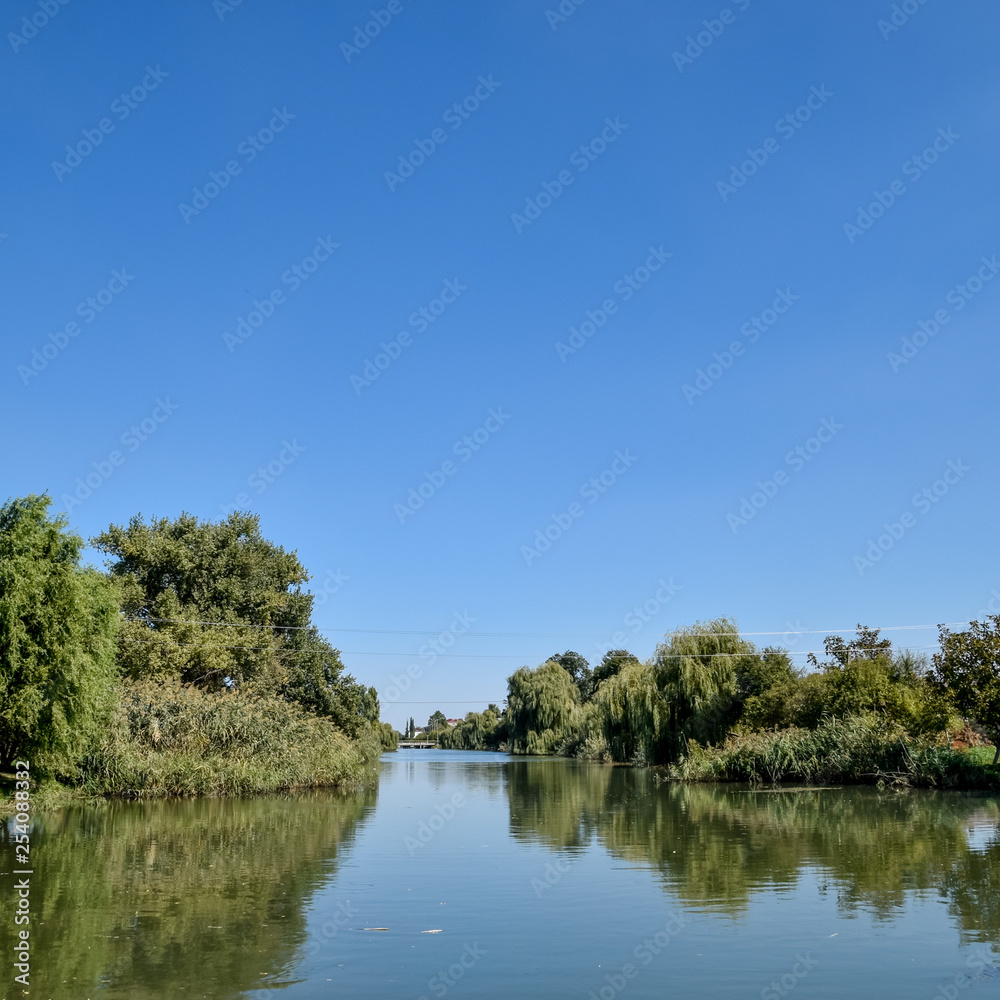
[525, 178]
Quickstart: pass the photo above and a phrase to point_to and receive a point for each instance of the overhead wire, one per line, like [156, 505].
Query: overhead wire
[526, 635]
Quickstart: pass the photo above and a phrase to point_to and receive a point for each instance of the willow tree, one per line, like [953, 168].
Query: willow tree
[633, 714]
[57, 639]
[477, 731]
[540, 707]
[613, 662]
[698, 673]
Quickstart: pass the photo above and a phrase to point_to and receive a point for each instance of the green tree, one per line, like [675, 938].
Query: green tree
[865, 646]
[633, 714]
[58, 625]
[577, 667]
[388, 736]
[219, 606]
[540, 707]
[968, 670]
[613, 662]
[437, 722]
[477, 731]
[865, 675]
[698, 672]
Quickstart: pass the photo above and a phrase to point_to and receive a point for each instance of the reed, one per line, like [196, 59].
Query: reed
[858, 750]
[168, 738]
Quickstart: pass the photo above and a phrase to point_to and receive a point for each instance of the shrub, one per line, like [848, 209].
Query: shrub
[168, 738]
[859, 750]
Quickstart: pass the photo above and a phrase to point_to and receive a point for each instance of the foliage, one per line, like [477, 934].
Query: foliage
[968, 670]
[169, 738]
[219, 606]
[57, 639]
[865, 646]
[388, 737]
[797, 700]
[438, 721]
[477, 731]
[540, 706]
[611, 663]
[707, 682]
[577, 667]
[863, 749]
[862, 676]
[632, 716]
[698, 670]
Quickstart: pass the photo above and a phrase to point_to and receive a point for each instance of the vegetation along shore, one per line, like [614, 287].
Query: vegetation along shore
[190, 666]
[710, 706]
[156, 677]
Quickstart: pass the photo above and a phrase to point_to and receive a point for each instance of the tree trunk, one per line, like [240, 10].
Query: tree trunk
[996, 756]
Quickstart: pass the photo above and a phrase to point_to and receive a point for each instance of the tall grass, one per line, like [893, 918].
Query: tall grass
[172, 739]
[858, 750]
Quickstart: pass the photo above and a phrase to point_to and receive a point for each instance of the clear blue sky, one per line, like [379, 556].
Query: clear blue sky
[582, 151]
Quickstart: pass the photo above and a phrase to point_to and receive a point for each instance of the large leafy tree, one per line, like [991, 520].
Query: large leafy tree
[866, 645]
[633, 713]
[437, 721]
[575, 664]
[477, 731]
[866, 675]
[612, 663]
[968, 670]
[219, 606]
[699, 670]
[58, 625]
[539, 702]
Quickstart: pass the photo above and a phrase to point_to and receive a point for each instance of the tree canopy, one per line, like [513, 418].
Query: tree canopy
[575, 664]
[968, 670]
[219, 606]
[539, 701]
[437, 721]
[58, 625]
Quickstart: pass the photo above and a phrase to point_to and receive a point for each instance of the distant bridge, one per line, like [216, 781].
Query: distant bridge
[416, 745]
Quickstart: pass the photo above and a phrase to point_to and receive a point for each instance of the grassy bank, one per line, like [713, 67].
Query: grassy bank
[172, 739]
[863, 750]
[47, 797]
[168, 739]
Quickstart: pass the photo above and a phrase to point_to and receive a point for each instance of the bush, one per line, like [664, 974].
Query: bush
[168, 738]
[859, 750]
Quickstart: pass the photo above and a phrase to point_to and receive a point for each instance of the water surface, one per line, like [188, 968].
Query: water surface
[539, 878]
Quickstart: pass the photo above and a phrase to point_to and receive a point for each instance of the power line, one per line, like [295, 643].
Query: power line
[468, 656]
[532, 635]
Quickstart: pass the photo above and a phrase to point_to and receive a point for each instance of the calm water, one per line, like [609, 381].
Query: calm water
[544, 878]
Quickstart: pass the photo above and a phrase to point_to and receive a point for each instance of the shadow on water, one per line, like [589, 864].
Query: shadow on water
[179, 898]
[715, 846]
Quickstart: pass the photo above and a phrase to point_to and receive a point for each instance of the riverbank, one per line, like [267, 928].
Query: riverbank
[844, 752]
[168, 740]
[857, 750]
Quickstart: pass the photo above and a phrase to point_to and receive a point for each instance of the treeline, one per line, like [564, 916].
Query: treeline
[190, 666]
[708, 687]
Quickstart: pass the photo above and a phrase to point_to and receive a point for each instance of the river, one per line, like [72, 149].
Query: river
[481, 875]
